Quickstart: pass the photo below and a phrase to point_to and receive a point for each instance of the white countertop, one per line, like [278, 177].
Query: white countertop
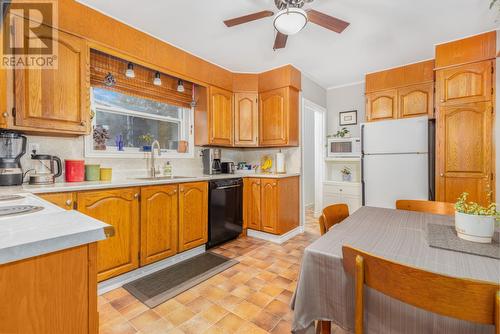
[134, 182]
[46, 231]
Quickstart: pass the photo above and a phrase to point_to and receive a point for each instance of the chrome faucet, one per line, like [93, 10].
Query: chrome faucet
[152, 168]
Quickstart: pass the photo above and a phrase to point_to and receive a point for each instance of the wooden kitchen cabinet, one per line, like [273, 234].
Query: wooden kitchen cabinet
[55, 100]
[382, 105]
[252, 203]
[159, 222]
[51, 293]
[63, 200]
[272, 204]
[193, 215]
[119, 208]
[464, 151]
[416, 100]
[465, 84]
[220, 117]
[278, 117]
[246, 119]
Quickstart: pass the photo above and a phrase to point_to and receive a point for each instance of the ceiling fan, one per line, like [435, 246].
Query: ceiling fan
[290, 19]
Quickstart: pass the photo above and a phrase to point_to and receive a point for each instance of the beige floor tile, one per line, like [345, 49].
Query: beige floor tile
[246, 310]
[214, 313]
[167, 307]
[144, 319]
[179, 316]
[260, 299]
[265, 320]
[230, 323]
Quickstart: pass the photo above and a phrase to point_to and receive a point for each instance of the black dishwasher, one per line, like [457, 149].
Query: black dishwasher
[225, 211]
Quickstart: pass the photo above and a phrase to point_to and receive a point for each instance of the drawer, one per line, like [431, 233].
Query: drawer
[347, 189]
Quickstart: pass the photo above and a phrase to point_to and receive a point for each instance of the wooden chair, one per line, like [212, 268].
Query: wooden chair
[458, 298]
[332, 215]
[438, 208]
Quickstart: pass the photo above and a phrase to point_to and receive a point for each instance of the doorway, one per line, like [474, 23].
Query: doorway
[313, 154]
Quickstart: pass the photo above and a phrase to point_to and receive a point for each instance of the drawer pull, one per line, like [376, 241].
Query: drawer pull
[68, 202]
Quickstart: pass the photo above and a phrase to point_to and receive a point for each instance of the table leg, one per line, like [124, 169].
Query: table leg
[325, 327]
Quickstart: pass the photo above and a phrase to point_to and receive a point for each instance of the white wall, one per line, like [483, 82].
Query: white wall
[345, 98]
[313, 92]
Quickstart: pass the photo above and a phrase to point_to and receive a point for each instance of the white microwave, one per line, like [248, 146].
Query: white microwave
[344, 147]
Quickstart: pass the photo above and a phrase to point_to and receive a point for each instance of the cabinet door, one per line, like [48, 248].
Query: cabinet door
[416, 100]
[119, 208]
[221, 117]
[193, 215]
[273, 117]
[55, 100]
[465, 83]
[159, 221]
[246, 118]
[463, 157]
[381, 105]
[251, 203]
[269, 205]
[63, 200]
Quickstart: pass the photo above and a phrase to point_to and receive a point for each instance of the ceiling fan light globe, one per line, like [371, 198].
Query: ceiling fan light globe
[290, 21]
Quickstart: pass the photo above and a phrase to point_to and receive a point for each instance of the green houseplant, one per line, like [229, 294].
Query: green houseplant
[147, 139]
[346, 174]
[474, 222]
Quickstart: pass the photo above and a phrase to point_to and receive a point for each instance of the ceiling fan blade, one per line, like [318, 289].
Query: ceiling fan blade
[280, 41]
[326, 21]
[248, 18]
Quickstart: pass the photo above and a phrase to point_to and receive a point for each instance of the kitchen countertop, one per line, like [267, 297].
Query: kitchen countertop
[46, 231]
[134, 182]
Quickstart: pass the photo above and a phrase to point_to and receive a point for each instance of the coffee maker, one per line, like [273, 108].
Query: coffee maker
[12, 148]
[211, 160]
[44, 168]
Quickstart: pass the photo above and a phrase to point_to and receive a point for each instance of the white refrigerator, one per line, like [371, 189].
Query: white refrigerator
[395, 161]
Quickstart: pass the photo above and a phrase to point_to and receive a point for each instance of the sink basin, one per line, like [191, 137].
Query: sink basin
[162, 178]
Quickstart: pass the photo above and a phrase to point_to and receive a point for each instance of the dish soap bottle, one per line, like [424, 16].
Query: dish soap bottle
[167, 169]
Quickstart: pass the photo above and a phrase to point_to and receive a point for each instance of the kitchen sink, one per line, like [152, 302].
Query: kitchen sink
[162, 178]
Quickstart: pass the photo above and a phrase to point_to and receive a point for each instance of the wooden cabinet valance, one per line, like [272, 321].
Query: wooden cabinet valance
[141, 85]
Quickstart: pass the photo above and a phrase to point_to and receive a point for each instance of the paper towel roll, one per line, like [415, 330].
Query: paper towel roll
[280, 163]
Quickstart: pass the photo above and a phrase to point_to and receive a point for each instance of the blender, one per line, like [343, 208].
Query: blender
[12, 148]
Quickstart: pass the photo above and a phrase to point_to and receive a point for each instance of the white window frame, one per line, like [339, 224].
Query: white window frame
[185, 125]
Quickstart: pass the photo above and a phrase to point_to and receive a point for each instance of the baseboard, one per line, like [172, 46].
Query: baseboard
[118, 281]
[277, 239]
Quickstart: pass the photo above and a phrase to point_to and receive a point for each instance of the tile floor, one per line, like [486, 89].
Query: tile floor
[251, 297]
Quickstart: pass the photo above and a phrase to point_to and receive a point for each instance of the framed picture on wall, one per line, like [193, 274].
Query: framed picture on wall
[348, 117]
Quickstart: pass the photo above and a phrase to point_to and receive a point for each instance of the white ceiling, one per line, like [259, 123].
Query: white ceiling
[382, 34]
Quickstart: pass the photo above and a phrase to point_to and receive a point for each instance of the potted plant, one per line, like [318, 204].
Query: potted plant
[344, 132]
[346, 174]
[100, 136]
[147, 139]
[474, 222]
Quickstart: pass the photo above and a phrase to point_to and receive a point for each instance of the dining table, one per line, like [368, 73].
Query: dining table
[325, 292]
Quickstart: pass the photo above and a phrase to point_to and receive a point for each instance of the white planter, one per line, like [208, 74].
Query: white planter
[475, 228]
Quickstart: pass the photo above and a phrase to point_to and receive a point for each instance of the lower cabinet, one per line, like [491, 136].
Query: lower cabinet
[193, 215]
[159, 216]
[251, 203]
[119, 208]
[271, 205]
[342, 192]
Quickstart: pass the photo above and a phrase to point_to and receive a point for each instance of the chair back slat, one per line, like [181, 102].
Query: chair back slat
[332, 214]
[439, 208]
[459, 298]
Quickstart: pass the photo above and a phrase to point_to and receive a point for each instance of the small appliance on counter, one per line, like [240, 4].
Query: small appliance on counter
[228, 167]
[44, 168]
[12, 148]
[211, 161]
[280, 163]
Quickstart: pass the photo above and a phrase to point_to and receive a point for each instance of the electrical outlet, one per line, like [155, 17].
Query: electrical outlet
[33, 147]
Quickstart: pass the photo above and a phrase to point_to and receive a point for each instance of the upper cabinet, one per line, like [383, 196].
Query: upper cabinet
[401, 92]
[465, 84]
[246, 119]
[55, 100]
[278, 121]
[381, 105]
[220, 117]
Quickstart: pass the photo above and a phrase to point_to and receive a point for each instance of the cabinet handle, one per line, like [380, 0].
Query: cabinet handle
[442, 101]
[83, 123]
[4, 114]
[136, 195]
[441, 174]
[340, 190]
[68, 202]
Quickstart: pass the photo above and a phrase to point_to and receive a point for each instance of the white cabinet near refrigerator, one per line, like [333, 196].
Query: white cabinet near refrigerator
[335, 192]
